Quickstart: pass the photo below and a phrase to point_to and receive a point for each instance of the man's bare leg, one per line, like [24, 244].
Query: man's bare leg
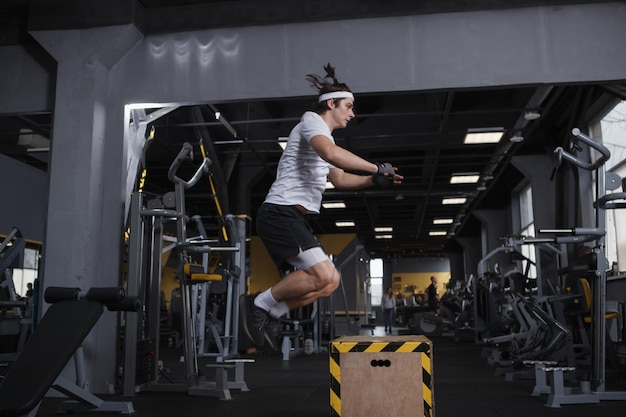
[303, 287]
[262, 313]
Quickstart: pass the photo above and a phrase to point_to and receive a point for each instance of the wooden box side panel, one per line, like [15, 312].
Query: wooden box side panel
[381, 384]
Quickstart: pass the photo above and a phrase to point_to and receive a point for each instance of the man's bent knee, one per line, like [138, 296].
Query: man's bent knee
[326, 276]
[332, 282]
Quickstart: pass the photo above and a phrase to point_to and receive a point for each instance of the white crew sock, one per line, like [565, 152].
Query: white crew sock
[265, 301]
[279, 310]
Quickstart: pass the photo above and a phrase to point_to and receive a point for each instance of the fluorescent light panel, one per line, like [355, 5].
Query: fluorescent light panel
[486, 135]
[437, 233]
[465, 178]
[454, 200]
[443, 221]
[334, 205]
[384, 236]
[383, 229]
[345, 223]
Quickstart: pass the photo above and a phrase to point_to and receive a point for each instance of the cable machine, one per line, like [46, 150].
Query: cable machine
[594, 390]
[142, 335]
[484, 307]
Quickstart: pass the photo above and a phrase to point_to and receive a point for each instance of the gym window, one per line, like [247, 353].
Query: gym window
[376, 281]
[610, 129]
[28, 272]
[527, 228]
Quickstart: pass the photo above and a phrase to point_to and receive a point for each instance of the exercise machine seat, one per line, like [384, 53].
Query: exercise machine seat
[585, 289]
[58, 335]
[194, 274]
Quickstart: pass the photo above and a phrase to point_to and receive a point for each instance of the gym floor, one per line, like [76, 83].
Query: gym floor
[465, 385]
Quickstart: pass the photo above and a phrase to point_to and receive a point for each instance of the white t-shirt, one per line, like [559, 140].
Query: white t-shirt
[302, 174]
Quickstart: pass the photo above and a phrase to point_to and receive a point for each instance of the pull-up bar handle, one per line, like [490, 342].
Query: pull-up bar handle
[186, 153]
[604, 151]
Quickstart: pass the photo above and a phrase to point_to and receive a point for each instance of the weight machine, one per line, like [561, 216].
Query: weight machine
[486, 309]
[142, 351]
[594, 390]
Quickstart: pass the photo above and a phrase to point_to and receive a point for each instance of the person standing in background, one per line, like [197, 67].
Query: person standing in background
[388, 306]
[433, 296]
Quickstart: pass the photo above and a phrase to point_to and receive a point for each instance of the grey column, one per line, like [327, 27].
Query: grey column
[84, 228]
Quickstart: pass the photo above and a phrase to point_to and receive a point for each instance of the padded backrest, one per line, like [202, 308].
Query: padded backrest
[56, 338]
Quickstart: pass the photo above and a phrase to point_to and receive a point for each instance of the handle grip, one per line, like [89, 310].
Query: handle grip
[186, 153]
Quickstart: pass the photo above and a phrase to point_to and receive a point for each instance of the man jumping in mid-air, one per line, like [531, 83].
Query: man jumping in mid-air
[310, 159]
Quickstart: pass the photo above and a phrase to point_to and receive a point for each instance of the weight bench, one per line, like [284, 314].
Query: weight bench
[57, 337]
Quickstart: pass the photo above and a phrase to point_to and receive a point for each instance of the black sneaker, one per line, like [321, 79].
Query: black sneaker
[253, 319]
[271, 334]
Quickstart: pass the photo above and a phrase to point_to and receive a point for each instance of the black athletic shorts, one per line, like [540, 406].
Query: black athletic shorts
[285, 232]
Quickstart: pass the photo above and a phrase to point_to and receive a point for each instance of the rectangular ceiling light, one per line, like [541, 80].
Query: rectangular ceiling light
[383, 229]
[437, 233]
[483, 135]
[384, 236]
[467, 178]
[454, 200]
[345, 223]
[334, 205]
[443, 221]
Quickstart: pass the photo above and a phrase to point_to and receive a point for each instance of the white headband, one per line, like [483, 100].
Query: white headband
[335, 94]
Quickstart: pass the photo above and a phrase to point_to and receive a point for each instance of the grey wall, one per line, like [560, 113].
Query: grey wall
[27, 83]
[420, 265]
[472, 254]
[486, 48]
[495, 225]
[24, 201]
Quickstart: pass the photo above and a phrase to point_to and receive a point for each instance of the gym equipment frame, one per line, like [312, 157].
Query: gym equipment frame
[54, 342]
[144, 270]
[594, 390]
